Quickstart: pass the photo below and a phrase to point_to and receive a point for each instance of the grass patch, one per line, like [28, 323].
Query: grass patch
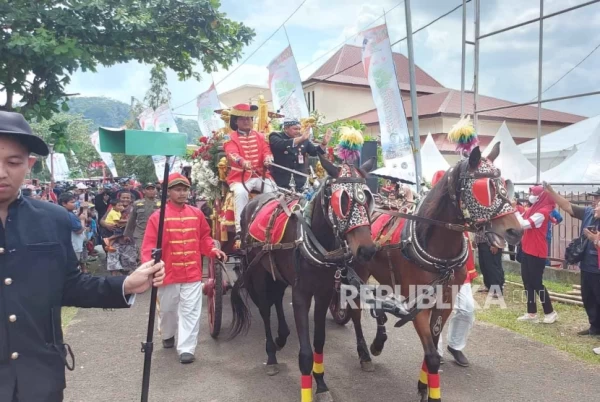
[557, 287]
[67, 314]
[561, 335]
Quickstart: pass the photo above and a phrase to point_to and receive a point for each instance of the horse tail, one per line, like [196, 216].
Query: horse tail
[241, 314]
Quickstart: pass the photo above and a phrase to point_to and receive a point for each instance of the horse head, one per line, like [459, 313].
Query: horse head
[483, 197]
[347, 204]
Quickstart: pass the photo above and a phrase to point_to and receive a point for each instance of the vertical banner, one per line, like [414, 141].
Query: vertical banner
[379, 68]
[208, 120]
[60, 167]
[146, 119]
[286, 86]
[106, 157]
[161, 119]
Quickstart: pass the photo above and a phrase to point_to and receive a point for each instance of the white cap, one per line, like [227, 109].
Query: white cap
[81, 186]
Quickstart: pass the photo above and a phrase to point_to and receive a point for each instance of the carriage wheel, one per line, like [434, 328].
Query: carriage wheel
[340, 315]
[215, 297]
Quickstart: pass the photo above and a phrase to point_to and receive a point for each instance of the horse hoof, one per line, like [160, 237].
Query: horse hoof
[367, 366]
[280, 344]
[324, 397]
[375, 351]
[272, 369]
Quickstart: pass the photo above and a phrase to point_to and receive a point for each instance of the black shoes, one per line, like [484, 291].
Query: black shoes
[168, 343]
[186, 358]
[459, 357]
[589, 332]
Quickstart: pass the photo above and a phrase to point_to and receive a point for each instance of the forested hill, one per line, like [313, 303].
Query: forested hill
[108, 112]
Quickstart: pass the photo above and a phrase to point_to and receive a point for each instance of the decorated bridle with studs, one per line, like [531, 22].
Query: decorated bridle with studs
[481, 196]
[346, 201]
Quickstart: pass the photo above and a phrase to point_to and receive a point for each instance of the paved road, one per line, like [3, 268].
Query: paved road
[505, 366]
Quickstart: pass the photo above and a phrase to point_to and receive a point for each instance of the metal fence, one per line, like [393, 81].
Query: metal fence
[570, 228]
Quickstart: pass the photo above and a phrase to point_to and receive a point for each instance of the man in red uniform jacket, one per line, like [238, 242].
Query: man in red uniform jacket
[186, 238]
[248, 154]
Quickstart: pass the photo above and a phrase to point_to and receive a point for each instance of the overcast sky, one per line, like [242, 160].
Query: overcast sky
[508, 62]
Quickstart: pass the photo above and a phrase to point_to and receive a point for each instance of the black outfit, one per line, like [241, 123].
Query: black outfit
[100, 205]
[590, 272]
[491, 266]
[512, 249]
[590, 295]
[39, 274]
[286, 154]
[532, 273]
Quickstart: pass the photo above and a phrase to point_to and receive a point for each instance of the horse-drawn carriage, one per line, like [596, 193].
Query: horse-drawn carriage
[208, 174]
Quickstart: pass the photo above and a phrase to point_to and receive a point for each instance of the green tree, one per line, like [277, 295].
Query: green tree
[70, 135]
[103, 112]
[43, 42]
[141, 167]
[159, 93]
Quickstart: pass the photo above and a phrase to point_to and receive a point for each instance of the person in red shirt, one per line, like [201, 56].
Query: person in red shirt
[186, 237]
[249, 155]
[535, 221]
[463, 317]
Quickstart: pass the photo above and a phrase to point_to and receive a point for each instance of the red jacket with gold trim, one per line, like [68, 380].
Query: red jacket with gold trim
[241, 148]
[186, 238]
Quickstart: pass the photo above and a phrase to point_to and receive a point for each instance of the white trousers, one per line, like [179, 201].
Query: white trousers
[241, 196]
[461, 321]
[179, 308]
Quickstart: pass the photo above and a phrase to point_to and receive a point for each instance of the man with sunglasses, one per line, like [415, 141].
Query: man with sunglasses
[290, 149]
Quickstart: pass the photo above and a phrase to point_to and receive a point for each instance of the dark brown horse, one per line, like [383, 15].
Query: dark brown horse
[435, 254]
[333, 228]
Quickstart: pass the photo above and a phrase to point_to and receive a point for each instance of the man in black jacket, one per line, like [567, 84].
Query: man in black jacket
[289, 149]
[39, 275]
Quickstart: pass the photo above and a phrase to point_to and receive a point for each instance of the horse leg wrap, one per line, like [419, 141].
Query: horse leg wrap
[433, 381]
[318, 363]
[422, 385]
[306, 391]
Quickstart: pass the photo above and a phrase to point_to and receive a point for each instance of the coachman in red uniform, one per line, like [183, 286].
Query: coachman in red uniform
[249, 155]
[186, 238]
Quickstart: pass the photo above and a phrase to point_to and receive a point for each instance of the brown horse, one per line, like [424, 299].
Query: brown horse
[432, 251]
[333, 228]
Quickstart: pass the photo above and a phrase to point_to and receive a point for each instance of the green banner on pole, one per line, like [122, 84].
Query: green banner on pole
[137, 142]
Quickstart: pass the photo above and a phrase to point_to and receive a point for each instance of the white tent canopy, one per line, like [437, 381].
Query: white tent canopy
[432, 159]
[513, 164]
[562, 142]
[580, 168]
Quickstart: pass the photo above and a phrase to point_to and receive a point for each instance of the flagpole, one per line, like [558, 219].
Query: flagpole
[413, 95]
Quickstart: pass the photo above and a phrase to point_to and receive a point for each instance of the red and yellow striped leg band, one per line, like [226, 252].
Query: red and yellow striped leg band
[423, 375]
[306, 392]
[434, 387]
[318, 363]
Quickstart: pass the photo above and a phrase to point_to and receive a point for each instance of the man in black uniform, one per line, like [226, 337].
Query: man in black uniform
[39, 274]
[290, 149]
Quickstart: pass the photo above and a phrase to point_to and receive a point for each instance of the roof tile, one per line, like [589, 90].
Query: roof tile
[448, 103]
[345, 67]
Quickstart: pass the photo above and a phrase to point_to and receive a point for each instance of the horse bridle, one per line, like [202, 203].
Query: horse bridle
[462, 203]
[357, 199]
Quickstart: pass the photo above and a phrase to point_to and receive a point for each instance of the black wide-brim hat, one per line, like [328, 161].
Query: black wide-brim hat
[594, 194]
[14, 124]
